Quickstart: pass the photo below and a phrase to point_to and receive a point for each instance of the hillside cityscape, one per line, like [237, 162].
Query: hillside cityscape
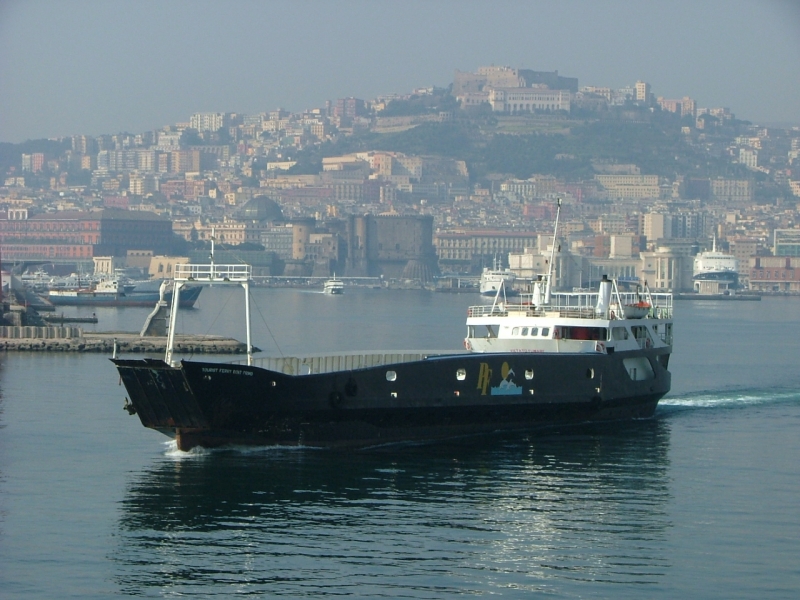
[423, 188]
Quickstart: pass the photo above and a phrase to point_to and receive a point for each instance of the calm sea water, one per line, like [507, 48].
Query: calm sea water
[699, 502]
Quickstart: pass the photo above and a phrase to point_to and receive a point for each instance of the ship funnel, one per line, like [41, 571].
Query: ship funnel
[604, 296]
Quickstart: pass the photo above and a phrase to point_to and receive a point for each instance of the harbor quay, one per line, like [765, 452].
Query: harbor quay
[74, 339]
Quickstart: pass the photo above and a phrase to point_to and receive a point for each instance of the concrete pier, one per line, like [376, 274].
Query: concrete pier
[127, 343]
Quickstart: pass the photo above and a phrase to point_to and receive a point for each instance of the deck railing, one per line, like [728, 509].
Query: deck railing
[345, 361]
[575, 305]
[213, 272]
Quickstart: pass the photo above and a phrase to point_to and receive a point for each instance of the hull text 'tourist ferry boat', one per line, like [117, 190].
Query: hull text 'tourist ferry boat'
[548, 359]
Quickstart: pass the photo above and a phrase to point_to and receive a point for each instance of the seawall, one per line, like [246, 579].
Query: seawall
[73, 339]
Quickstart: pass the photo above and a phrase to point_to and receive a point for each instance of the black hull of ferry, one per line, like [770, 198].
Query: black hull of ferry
[211, 404]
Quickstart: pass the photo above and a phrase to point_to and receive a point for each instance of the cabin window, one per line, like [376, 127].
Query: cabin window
[545, 331]
[524, 331]
[391, 376]
[584, 333]
[461, 374]
[515, 331]
[534, 331]
[529, 374]
[642, 335]
[619, 333]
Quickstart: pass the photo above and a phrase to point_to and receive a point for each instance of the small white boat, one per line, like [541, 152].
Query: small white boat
[496, 278]
[334, 286]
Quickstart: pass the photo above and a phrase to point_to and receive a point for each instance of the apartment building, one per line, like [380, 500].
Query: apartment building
[527, 100]
[79, 236]
[630, 186]
[775, 273]
[470, 250]
[732, 191]
[786, 242]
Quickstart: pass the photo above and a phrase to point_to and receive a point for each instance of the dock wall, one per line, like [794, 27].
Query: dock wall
[40, 333]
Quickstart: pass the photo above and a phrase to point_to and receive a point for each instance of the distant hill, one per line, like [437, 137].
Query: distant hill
[558, 146]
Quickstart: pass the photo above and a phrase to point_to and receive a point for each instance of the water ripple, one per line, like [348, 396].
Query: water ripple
[477, 517]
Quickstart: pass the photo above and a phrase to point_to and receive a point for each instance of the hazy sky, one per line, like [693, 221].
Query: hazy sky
[106, 66]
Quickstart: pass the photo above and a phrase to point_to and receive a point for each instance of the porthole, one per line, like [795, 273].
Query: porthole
[529, 374]
[391, 375]
[461, 374]
[590, 373]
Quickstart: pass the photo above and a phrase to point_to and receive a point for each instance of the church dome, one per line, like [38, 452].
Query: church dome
[261, 208]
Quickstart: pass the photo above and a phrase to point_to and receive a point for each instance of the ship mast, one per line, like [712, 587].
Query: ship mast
[210, 274]
[552, 256]
[211, 258]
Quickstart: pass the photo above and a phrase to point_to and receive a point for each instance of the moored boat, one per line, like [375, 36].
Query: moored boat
[112, 293]
[715, 272]
[496, 278]
[547, 359]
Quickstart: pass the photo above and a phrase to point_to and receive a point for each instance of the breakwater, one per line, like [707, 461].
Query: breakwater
[74, 339]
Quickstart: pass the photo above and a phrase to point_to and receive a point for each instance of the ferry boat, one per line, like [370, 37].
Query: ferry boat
[492, 280]
[548, 359]
[715, 272]
[334, 286]
[111, 292]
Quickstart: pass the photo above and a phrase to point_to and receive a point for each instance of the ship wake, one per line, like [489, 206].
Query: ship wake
[727, 399]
